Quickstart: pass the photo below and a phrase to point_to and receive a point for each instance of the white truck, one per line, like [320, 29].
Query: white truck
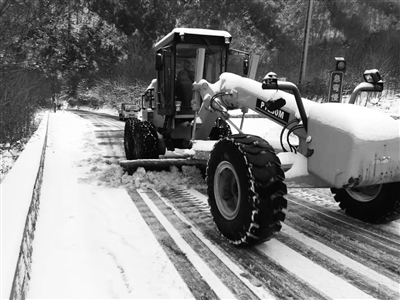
[128, 110]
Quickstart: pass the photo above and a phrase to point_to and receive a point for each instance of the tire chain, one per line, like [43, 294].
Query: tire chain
[261, 168]
[266, 185]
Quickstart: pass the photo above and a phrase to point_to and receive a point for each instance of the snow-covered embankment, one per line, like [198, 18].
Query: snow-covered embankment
[20, 193]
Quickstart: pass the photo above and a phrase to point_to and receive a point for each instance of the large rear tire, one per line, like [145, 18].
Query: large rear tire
[140, 139]
[245, 189]
[371, 203]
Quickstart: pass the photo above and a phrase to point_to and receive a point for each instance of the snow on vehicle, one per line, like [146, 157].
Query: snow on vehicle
[348, 148]
[128, 110]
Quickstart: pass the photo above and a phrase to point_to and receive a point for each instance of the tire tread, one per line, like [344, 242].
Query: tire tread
[267, 188]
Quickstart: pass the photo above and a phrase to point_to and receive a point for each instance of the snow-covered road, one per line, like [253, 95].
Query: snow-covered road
[91, 242]
[102, 234]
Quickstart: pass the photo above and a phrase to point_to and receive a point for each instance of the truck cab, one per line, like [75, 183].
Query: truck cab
[128, 110]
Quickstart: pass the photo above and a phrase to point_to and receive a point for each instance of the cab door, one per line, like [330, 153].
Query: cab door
[165, 78]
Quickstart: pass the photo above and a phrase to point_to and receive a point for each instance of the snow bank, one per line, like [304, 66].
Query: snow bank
[20, 192]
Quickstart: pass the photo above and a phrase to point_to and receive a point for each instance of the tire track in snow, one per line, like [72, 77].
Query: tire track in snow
[250, 281]
[359, 279]
[269, 274]
[220, 278]
[322, 200]
[359, 275]
[367, 232]
[121, 271]
[315, 275]
[109, 136]
[379, 254]
[195, 281]
[367, 253]
[108, 132]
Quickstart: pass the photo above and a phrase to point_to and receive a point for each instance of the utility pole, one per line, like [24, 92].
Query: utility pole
[305, 44]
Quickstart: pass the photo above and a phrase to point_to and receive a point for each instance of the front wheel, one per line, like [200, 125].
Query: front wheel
[245, 189]
[370, 203]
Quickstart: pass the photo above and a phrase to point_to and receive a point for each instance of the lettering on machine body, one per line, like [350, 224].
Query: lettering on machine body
[279, 115]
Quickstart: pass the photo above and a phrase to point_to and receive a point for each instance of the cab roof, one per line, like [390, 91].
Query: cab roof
[197, 31]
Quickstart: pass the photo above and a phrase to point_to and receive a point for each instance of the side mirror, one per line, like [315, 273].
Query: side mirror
[149, 98]
[246, 66]
[143, 98]
[270, 82]
[372, 76]
[159, 62]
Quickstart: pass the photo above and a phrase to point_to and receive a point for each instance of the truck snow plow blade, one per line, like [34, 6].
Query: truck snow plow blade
[131, 166]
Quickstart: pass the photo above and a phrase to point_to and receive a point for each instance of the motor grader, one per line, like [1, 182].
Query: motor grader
[351, 149]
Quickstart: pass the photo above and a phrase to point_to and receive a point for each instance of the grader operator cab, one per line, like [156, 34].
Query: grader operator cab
[351, 149]
[167, 102]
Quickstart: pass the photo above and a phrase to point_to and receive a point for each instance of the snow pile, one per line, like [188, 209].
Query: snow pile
[189, 177]
[107, 172]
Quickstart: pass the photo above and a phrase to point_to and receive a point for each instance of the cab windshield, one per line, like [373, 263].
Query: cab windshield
[214, 62]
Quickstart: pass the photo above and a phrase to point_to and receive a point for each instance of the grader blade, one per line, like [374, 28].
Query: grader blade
[130, 166]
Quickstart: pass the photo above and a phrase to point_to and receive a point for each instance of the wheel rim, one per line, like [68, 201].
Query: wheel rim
[227, 190]
[366, 193]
